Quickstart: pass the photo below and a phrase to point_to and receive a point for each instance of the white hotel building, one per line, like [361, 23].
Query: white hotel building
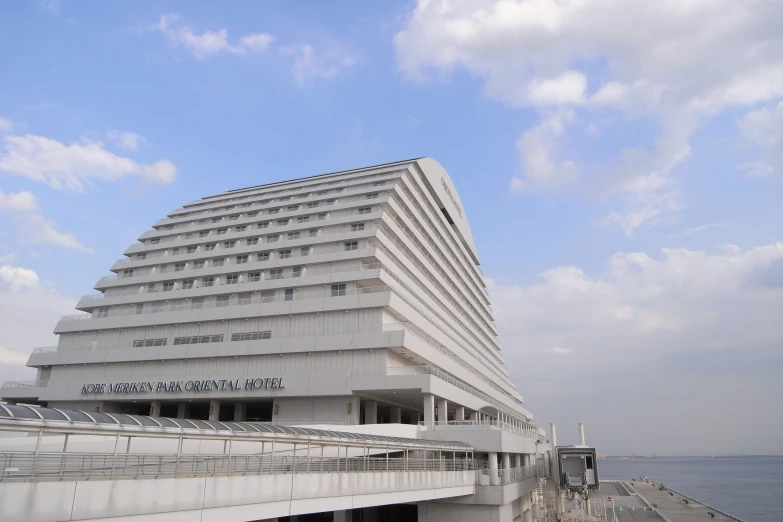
[352, 298]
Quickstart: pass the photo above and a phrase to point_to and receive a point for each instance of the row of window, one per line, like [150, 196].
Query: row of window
[264, 202]
[285, 253]
[201, 339]
[272, 238]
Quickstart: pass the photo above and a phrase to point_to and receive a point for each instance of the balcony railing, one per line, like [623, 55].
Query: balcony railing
[501, 477]
[212, 303]
[274, 334]
[25, 384]
[527, 430]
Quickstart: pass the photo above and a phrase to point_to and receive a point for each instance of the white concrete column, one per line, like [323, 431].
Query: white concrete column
[460, 413]
[155, 409]
[344, 515]
[396, 415]
[353, 409]
[443, 410]
[183, 411]
[371, 412]
[240, 412]
[429, 408]
[582, 434]
[494, 478]
[518, 460]
[214, 410]
[506, 464]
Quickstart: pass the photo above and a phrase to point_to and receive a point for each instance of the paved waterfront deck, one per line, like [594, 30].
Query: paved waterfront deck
[673, 507]
[627, 508]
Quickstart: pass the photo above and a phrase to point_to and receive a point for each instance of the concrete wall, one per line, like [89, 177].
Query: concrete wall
[223, 499]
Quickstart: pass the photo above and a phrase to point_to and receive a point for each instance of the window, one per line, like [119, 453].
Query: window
[252, 214]
[289, 294]
[222, 301]
[251, 336]
[198, 264]
[274, 210]
[141, 256]
[233, 217]
[302, 196]
[365, 210]
[191, 249]
[218, 261]
[292, 208]
[263, 256]
[297, 271]
[372, 196]
[210, 246]
[305, 251]
[242, 259]
[187, 284]
[199, 339]
[203, 233]
[357, 227]
[254, 277]
[293, 235]
[321, 216]
[245, 298]
[179, 267]
[141, 343]
[240, 228]
[127, 273]
[313, 232]
[155, 241]
[314, 204]
[102, 312]
[276, 273]
[252, 241]
[197, 304]
[282, 222]
[188, 235]
[139, 308]
[378, 183]
[169, 227]
[168, 286]
[232, 279]
[229, 244]
[151, 288]
[284, 198]
[338, 290]
[303, 219]
[216, 220]
[273, 238]
[285, 254]
[175, 252]
[263, 224]
[330, 201]
[351, 245]
[221, 231]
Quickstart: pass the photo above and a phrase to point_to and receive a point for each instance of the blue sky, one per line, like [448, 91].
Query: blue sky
[582, 144]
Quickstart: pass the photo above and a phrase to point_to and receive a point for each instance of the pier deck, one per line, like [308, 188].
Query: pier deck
[674, 507]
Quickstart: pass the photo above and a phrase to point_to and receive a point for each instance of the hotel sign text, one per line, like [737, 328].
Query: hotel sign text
[185, 386]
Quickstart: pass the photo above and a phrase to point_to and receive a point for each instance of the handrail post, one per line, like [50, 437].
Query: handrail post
[179, 454]
[272, 458]
[65, 448]
[114, 458]
[37, 449]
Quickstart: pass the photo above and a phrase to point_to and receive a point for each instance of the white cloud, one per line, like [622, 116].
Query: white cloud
[538, 149]
[209, 43]
[311, 65]
[646, 59]
[33, 227]
[30, 310]
[695, 230]
[657, 334]
[5, 125]
[764, 127]
[53, 6]
[36, 229]
[72, 166]
[17, 202]
[126, 140]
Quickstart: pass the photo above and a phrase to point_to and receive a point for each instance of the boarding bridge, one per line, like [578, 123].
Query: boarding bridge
[75, 465]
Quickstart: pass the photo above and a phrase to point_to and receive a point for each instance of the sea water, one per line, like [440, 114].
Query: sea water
[750, 488]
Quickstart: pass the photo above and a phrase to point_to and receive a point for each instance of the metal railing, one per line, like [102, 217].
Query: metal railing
[528, 430]
[501, 477]
[27, 466]
[153, 308]
[25, 384]
[274, 334]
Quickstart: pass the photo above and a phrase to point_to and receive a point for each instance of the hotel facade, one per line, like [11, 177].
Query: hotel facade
[350, 299]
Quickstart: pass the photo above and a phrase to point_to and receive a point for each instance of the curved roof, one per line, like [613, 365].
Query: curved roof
[56, 418]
